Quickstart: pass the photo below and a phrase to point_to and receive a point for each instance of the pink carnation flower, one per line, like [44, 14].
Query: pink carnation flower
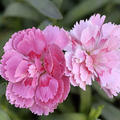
[94, 53]
[34, 65]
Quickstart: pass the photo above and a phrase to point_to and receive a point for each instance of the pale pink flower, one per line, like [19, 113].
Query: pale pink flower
[94, 53]
[34, 65]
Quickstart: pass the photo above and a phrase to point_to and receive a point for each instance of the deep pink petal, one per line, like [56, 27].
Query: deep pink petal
[54, 61]
[55, 35]
[18, 101]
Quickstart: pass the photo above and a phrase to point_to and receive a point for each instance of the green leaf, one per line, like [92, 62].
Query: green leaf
[3, 115]
[114, 16]
[67, 106]
[95, 113]
[58, 2]
[10, 113]
[44, 24]
[23, 10]
[4, 36]
[46, 7]
[69, 116]
[116, 1]
[82, 9]
[3, 88]
[110, 112]
[85, 97]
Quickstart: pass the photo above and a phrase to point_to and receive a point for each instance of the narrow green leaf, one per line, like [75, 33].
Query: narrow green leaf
[95, 113]
[46, 7]
[85, 97]
[3, 88]
[82, 9]
[10, 113]
[23, 10]
[3, 115]
[67, 116]
[109, 111]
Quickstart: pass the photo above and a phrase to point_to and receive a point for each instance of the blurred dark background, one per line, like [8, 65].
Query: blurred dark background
[16, 15]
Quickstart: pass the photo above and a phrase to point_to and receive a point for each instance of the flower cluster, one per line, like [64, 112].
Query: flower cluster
[39, 73]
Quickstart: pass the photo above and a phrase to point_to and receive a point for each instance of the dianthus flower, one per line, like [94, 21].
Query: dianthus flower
[94, 54]
[34, 65]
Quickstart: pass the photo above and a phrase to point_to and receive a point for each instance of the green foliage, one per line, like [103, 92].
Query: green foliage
[82, 9]
[4, 116]
[95, 113]
[17, 9]
[3, 88]
[44, 24]
[67, 116]
[85, 100]
[46, 7]
[109, 112]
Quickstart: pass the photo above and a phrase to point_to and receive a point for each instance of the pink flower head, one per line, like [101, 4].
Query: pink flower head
[34, 65]
[94, 53]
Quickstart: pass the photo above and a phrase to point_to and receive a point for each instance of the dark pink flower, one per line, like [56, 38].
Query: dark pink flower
[34, 65]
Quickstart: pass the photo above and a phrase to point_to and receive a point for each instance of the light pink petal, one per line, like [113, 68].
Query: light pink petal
[97, 19]
[77, 30]
[68, 58]
[79, 55]
[112, 43]
[89, 63]
[88, 37]
[73, 81]
[107, 29]
[110, 82]
[85, 75]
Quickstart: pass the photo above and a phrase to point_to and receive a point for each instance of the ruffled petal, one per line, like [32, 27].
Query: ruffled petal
[16, 100]
[47, 88]
[55, 35]
[54, 61]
